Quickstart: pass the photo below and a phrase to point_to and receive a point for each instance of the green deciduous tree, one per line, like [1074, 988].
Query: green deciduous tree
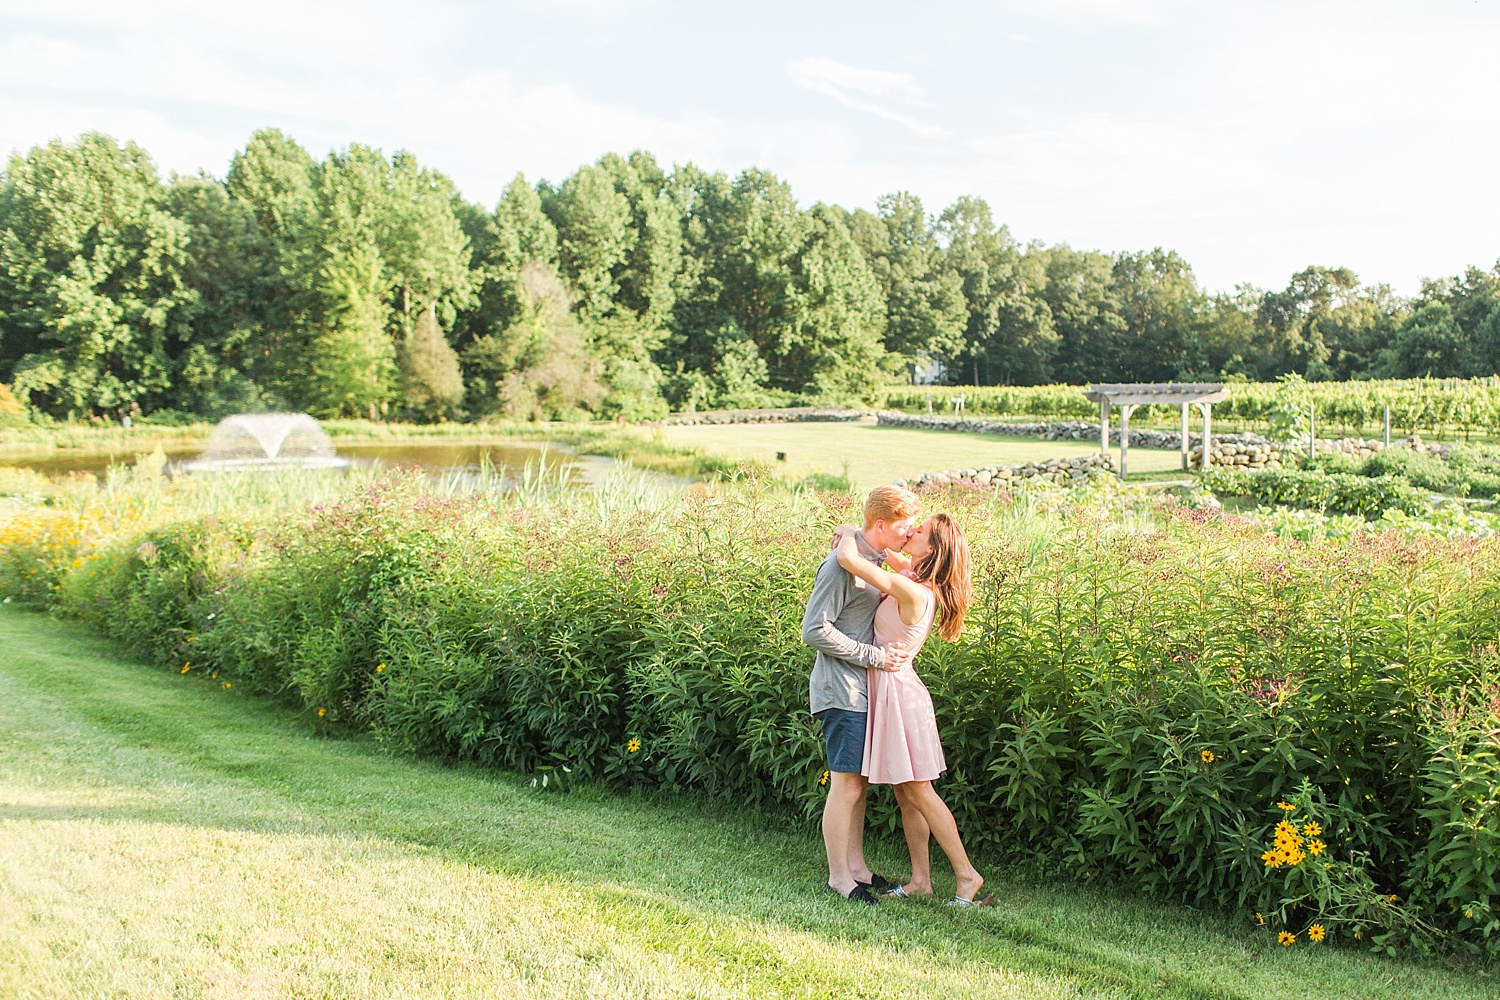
[926, 316]
[93, 299]
[1008, 329]
[539, 367]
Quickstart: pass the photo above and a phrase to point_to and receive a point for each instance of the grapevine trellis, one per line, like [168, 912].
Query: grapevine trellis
[1426, 406]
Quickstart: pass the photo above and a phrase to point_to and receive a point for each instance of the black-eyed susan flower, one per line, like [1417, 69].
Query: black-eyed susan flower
[1311, 829]
[226, 685]
[322, 712]
[185, 667]
[380, 668]
[1316, 932]
[1316, 847]
[1285, 806]
[1260, 918]
[823, 778]
[633, 746]
[214, 675]
[1206, 756]
[1286, 938]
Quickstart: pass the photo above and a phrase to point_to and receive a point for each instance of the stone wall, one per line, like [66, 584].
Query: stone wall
[1361, 448]
[795, 414]
[1062, 471]
[1240, 455]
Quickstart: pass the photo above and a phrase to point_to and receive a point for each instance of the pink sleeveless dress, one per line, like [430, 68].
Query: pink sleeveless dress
[901, 736]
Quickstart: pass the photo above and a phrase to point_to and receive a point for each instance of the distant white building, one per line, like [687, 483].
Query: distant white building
[928, 371]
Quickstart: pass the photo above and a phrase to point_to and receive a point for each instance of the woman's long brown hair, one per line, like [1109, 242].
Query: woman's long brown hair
[946, 569]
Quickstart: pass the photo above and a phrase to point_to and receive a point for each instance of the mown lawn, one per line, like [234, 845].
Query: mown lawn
[160, 835]
[878, 455]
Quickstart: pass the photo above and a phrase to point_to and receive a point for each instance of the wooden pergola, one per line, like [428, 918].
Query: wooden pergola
[1128, 395]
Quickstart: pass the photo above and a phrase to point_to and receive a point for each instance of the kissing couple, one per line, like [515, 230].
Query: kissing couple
[867, 624]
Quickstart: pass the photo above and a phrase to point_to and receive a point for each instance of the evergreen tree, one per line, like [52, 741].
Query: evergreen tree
[351, 360]
[432, 386]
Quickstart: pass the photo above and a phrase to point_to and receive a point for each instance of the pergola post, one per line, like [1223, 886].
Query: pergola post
[1125, 410]
[1208, 444]
[1184, 438]
[1104, 425]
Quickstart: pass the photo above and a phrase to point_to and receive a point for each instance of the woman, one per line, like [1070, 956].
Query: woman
[930, 582]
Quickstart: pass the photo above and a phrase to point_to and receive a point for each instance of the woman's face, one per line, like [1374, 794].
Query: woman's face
[918, 543]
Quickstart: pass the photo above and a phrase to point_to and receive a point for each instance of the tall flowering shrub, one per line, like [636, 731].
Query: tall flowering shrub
[1134, 692]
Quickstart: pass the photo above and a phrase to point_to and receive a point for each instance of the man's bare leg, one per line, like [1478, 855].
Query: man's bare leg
[846, 794]
[918, 841]
[857, 866]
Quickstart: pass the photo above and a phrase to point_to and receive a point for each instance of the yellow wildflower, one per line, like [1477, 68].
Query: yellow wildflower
[1207, 756]
[1358, 935]
[633, 745]
[226, 685]
[1287, 938]
[1316, 847]
[1316, 932]
[823, 780]
[1469, 914]
[320, 711]
[1392, 897]
[185, 667]
[1260, 919]
[1285, 806]
[1312, 829]
[380, 668]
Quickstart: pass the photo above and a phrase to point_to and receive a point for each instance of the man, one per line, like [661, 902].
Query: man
[840, 625]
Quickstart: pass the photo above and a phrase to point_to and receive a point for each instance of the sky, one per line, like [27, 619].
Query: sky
[1254, 138]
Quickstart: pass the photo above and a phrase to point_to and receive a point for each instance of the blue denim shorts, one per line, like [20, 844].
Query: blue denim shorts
[844, 736]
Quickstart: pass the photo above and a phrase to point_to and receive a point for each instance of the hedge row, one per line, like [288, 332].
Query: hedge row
[1125, 704]
[1337, 492]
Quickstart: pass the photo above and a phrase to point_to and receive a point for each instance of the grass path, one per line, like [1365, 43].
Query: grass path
[881, 454]
[162, 836]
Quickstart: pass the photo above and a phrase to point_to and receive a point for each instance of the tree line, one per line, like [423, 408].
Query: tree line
[363, 284]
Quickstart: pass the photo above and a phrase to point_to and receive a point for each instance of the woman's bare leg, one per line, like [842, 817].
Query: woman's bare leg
[945, 830]
[918, 838]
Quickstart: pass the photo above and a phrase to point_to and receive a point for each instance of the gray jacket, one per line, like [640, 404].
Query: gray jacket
[840, 625]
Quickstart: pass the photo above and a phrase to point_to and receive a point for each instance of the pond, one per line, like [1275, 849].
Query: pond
[438, 457]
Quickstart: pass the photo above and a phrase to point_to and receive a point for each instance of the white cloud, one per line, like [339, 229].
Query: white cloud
[1256, 139]
[869, 90]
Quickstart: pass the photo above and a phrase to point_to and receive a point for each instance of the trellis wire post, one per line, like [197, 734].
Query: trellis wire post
[1388, 425]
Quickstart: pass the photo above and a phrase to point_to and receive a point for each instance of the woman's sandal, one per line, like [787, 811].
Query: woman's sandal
[878, 883]
[960, 902]
[898, 893]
